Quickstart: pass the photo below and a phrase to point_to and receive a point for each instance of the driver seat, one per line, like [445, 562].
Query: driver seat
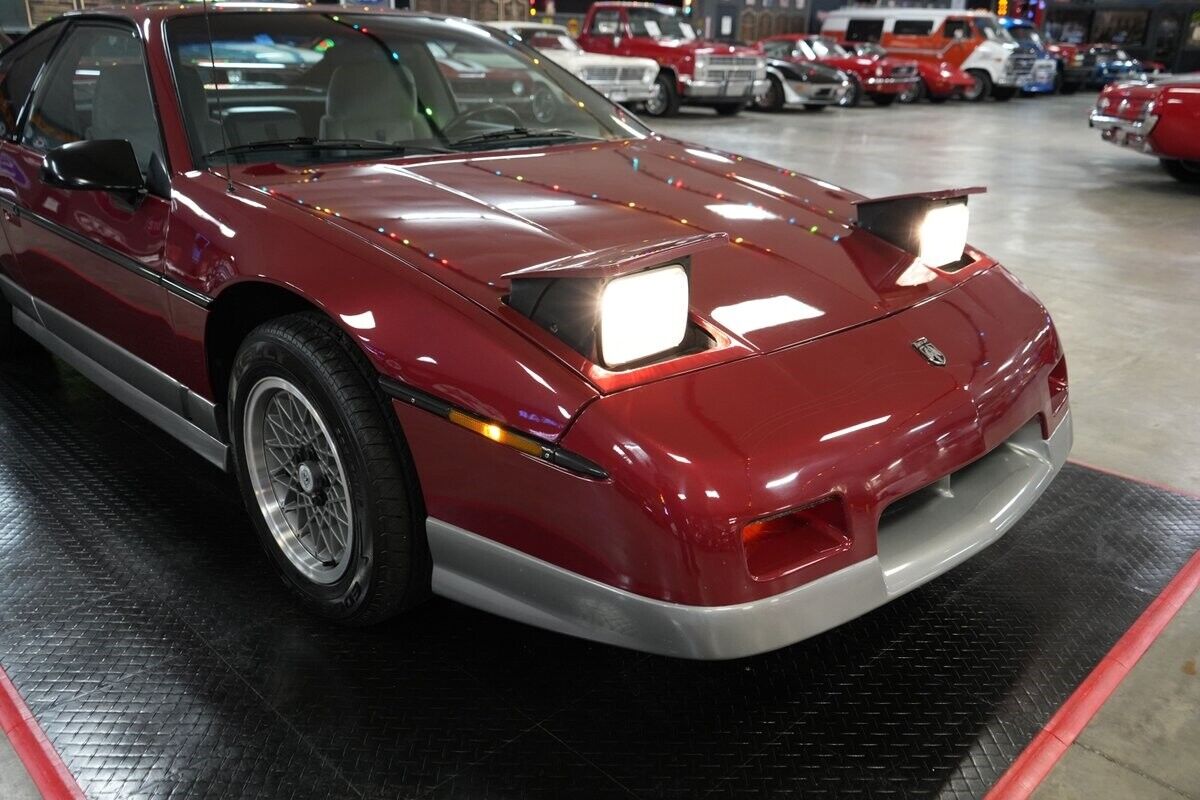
[373, 101]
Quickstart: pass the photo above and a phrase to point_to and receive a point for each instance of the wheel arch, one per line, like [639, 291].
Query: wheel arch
[234, 313]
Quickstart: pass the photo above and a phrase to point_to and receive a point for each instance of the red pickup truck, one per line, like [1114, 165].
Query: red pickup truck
[692, 70]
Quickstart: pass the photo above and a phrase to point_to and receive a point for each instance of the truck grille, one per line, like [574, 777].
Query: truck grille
[1022, 66]
[608, 74]
[729, 68]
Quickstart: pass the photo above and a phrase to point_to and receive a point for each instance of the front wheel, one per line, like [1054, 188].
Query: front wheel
[853, 95]
[883, 99]
[664, 97]
[980, 89]
[325, 473]
[772, 98]
[1186, 171]
[915, 93]
[729, 109]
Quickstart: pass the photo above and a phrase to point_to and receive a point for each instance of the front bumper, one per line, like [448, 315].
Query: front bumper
[962, 514]
[717, 91]
[1131, 133]
[807, 93]
[876, 85]
[623, 91]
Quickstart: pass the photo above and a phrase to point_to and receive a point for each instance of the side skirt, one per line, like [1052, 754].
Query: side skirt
[141, 386]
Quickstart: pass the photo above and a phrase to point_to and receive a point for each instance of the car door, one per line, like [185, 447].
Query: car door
[94, 258]
[19, 68]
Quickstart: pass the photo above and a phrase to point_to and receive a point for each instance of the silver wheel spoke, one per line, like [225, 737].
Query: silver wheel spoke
[299, 480]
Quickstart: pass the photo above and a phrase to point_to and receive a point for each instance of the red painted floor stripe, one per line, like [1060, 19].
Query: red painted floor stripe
[1036, 761]
[1128, 477]
[50, 775]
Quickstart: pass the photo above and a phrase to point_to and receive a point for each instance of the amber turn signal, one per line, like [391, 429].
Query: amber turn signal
[795, 539]
[497, 434]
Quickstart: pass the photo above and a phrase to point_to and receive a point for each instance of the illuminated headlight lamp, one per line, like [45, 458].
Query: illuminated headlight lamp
[932, 225]
[620, 307]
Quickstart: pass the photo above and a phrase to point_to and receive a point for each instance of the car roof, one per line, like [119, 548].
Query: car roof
[908, 13]
[168, 10]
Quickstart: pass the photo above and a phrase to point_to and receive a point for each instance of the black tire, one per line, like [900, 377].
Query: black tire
[8, 331]
[388, 567]
[982, 88]
[813, 107]
[1186, 171]
[1002, 94]
[1068, 87]
[915, 95]
[772, 99]
[729, 109]
[853, 95]
[666, 100]
[883, 100]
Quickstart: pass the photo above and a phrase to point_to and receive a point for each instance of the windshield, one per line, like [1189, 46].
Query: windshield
[548, 39]
[997, 33]
[308, 87]
[1023, 34]
[827, 48]
[659, 24]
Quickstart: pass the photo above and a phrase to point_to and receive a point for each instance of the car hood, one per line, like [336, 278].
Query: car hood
[794, 267]
[577, 61]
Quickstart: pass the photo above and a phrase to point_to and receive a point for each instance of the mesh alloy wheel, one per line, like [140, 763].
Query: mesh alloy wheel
[299, 480]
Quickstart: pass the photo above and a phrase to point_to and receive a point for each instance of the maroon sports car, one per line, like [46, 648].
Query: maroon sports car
[587, 377]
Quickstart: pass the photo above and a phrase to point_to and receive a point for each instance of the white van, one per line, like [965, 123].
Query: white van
[972, 41]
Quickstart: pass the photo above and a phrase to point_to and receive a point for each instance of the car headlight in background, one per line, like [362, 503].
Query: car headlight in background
[930, 225]
[643, 314]
[943, 234]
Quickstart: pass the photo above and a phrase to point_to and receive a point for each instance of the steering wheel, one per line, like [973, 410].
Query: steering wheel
[472, 113]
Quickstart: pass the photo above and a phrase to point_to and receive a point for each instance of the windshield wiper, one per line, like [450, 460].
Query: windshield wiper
[519, 135]
[313, 143]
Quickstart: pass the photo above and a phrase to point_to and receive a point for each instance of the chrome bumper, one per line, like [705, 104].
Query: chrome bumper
[623, 91]
[805, 93]
[969, 510]
[1134, 133]
[715, 90]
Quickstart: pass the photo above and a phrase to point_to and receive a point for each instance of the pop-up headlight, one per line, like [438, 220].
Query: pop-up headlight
[619, 307]
[931, 225]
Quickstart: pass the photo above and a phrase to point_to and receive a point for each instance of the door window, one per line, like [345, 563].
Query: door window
[957, 29]
[96, 88]
[606, 23]
[913, 27]
[18, 69]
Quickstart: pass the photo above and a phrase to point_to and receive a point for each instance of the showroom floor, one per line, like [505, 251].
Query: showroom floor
[158, 669]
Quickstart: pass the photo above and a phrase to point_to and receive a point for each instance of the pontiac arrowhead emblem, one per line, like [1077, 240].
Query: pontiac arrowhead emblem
[930, 352]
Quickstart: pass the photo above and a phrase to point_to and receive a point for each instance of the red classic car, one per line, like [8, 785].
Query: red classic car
[612, 384]
[940, 80]
[693, 71]
[881, 78]
[1160, 118]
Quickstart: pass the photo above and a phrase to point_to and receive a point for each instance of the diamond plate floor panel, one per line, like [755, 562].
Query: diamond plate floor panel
[163, 658]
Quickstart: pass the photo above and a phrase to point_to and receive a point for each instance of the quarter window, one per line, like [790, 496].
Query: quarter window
[96, 88]
[864, 30]
[18, 69]
[913, 27]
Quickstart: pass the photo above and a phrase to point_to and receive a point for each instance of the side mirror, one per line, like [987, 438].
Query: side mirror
[97, 165]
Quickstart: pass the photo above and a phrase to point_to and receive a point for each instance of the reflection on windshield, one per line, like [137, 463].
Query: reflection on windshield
[306, 87]
[991, 30]
[658, 24]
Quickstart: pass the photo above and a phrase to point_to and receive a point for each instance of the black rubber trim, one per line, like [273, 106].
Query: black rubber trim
[560, 457]
[115, 256]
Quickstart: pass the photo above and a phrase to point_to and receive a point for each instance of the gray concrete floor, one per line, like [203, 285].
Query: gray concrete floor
[1112, 246]
[1108, 240]
[15, 783]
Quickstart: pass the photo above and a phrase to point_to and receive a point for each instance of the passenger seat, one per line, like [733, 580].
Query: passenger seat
[373, 101]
